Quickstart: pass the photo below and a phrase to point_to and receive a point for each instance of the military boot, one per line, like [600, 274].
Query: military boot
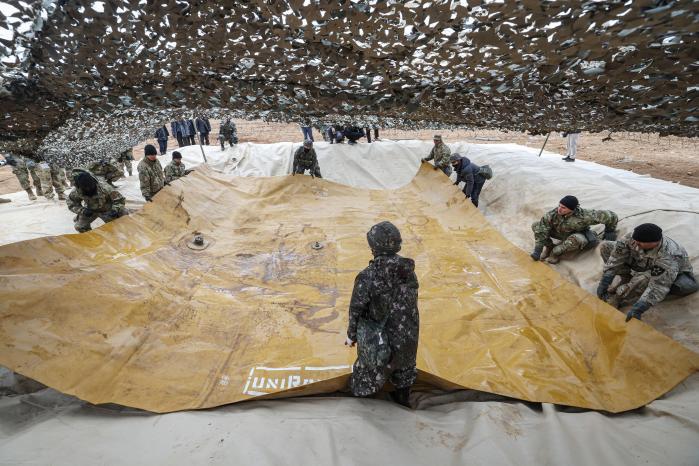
[402, 397]
[32, 197]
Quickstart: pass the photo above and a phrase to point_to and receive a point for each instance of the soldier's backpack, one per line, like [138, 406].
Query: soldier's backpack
[486, 172]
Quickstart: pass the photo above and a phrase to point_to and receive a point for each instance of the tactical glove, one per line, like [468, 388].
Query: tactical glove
[187, 172]
[536, 253]
[149, 199]
[87, 212]
[603, 286]
[349, 342]
[610, 235]
[637, 310]
[11, 161]
[435, 167]
[113, 214]
[423, 160]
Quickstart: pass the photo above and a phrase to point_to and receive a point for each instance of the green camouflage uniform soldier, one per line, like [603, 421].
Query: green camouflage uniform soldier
[570, 224]
[51, 178]
[650, 265]
[106, 168]
[228, 132]
[93, 197]
[305, 158]
[124, 161]
[440, 153]
[384, 319]
[22, 171]
[175, 169]
[150, 173]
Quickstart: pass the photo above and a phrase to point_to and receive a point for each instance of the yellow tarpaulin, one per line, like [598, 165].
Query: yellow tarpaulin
[129, 313]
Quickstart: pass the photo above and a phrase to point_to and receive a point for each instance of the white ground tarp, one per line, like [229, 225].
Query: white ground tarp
[461, 427]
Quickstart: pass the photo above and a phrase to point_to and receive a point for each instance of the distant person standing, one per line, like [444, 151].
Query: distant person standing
[571, 144]
[191, 128]
[124, 160]
[204, 128]
[23, 172]
[368, 129]
[150, 173]
[161, 134]
[177, 132]
[306, 129]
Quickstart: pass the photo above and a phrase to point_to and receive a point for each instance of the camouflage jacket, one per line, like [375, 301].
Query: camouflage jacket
[440, 154]
[553, 225]
[106, 169]
[174, 171]
[151, 176]
[387, 290]
[305, 158]
[106, 199]
[228, 129]
[125, 155]
[663, 263]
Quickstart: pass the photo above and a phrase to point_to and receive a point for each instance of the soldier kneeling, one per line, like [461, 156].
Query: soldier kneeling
[651, 267]
[383, 319]
[570, 224]
[93, 197]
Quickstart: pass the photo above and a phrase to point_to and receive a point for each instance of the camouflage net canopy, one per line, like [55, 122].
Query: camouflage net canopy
[525, 65]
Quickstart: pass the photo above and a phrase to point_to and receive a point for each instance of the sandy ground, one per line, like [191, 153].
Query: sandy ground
[670, 158]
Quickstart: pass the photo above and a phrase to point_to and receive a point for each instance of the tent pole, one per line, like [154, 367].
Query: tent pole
[545, 141]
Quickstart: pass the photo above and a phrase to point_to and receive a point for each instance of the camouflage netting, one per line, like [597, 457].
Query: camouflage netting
[525, 65]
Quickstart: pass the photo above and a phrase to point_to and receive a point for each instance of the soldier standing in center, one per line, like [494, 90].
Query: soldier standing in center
[305, 158]
[570, 224]
[440, 153]
[383, 319]
[150, 173]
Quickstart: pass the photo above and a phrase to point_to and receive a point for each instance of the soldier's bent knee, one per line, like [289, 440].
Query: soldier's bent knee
[684, 285]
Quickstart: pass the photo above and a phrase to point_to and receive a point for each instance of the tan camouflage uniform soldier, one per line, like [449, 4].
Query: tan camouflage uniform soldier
[440, 153]
[150, 174]
[22, 170]
[650, 266]
[50, 176]
[93, 197]
[570, 224]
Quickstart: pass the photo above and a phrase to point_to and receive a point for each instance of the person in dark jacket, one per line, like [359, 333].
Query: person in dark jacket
[177, 132]
[384, 321]
[469, 173]
[161, 134]
[353, 134]
[204, 128]
[191, 129]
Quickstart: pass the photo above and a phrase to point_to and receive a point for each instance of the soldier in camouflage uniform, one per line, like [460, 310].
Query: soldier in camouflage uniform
[570, 224]
[650, 265]
[440, 153]
[107, 168]
[228, 132]
[305, 158]
[383, 318]
[175, 169]
[23, 169]
[150, 173]
[93, 197]
[124, 161]
[51, 178]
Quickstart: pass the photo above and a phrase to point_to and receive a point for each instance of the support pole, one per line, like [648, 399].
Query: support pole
[204, 155]
[545, 141]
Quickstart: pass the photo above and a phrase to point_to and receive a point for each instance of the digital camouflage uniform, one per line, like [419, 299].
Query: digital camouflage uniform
[22, 169]
[306, 159]
[51, 178]
[174, 171]
[572, 230]
[647, 276]
[108, 169]
[441, 153]
[387, 290]
[124, 161]
[107, 203]
[151, 177]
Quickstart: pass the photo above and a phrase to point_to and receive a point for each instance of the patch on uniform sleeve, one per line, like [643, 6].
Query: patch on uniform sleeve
[656, 270]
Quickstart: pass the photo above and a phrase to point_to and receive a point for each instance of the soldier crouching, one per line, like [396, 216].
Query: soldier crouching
[384, 320]
[93, 197]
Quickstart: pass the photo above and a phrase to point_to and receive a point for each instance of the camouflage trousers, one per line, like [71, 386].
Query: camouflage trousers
[367, 379]
[22, 173]
[83, 223]
[126, 164]
[51, 178]
[634, 283]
